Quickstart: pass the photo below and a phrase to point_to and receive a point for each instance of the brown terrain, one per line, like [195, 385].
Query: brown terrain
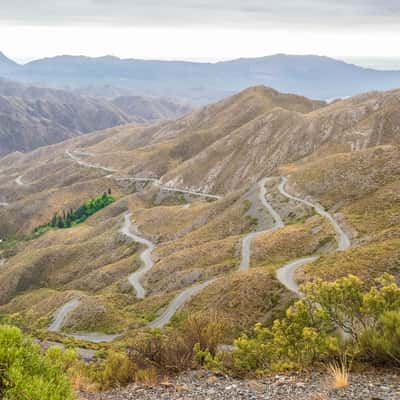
[344, 155]
[32, 117]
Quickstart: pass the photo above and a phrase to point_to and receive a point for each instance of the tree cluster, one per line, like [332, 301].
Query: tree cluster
[73, 217]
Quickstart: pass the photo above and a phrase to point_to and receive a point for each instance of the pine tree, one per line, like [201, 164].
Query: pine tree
[53, 222]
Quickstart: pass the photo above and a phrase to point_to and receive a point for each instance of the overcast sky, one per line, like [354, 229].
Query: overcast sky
[199, 29]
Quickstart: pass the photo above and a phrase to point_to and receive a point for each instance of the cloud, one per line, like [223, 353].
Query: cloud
[198, 29]
[219, 13]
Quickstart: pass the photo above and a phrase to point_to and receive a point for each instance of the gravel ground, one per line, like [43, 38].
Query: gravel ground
[200, 385]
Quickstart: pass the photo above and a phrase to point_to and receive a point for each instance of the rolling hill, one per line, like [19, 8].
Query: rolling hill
[344, 156]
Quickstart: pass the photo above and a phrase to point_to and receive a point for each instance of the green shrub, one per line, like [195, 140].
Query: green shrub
[333, 318]
[296, 341]
[26, 374]
[115, 370]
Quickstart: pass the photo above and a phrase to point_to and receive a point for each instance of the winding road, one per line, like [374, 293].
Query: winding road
[61, 315]
[155, 181]
[248, 239]
[286, 274]
[342, 238]
[177, 303]
[145, 256]
[135, 279]
[188, 293]
[95, 337]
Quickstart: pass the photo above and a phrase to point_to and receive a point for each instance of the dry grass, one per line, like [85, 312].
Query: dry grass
[339, 373]
[348, 177]
[244, 298]
[318, 396]
[367, 262]
[291, 242]
[171, 222]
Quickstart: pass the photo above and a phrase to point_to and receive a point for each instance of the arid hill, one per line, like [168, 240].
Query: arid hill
[32, 116]
[150, 110]
[344, 156]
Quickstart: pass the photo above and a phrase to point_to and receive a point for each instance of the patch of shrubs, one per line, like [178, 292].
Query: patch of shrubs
[26, 373]
[334, 318]
[153, 354]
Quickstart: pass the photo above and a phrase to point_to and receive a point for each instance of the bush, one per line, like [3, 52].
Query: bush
[27, 374]
[116, 370]
[175, 350]
[371, 317]
[367, 320]
[296, 341]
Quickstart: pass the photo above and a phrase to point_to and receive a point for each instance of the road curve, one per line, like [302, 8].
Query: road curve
[342, 238]
[59, 319]
[19, 182]
[177, 303]
[263, 192]
[145, 256]
[286, 274]
[86, 164]
[248, 239]
[62, 313]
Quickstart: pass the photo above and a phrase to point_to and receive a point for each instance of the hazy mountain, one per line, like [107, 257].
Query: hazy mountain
[32, 116]
[26, 125]
[148, 109]
[7, 66]
[311, 76]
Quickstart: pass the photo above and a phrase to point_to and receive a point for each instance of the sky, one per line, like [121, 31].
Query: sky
[200, 30]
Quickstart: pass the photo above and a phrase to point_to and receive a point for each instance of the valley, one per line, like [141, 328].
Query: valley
[226, 211]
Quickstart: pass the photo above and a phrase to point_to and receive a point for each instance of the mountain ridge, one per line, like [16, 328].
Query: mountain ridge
[32, 116]
[309, 75]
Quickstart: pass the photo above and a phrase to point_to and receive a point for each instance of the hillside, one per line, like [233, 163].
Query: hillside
[150, 110]
[32, 116]
[202, 83]
[246, 137]
[220, 214]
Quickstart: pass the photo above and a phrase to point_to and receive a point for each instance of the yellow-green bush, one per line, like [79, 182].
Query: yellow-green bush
[116, 369]
[27, 374]
[332, 317]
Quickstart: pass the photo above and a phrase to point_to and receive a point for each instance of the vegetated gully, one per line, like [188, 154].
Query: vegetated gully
[286, 274]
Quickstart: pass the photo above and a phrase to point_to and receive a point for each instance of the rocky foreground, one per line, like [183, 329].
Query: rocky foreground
[200, 385]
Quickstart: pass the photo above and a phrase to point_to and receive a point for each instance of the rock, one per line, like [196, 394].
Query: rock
[201, 385]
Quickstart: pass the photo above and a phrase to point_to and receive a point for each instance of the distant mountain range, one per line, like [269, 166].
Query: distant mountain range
[312, 76]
